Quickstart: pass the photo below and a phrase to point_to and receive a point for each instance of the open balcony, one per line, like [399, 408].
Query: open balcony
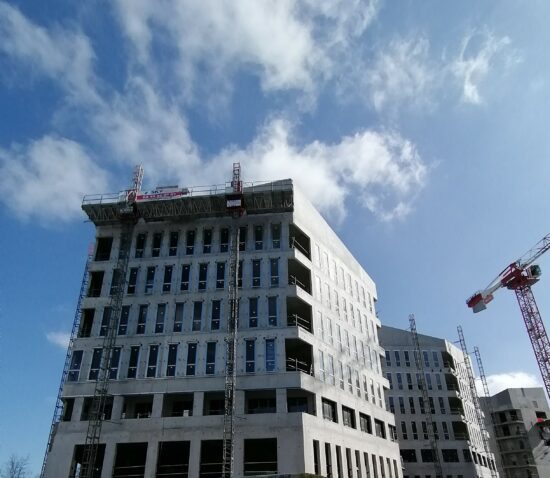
[299, 275]
[299, 356]
[299, 314]
[299, 241]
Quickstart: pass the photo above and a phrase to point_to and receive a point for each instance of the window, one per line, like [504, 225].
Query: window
[435, 356]
[258, 238]
[425, 430]
[96, 364]
[445, 430]
[397, 358]
[256, 272]
[269, 355]
[242, 238]
[124, 316]
[215, 317]
[167, 283]
[441, 405]
[96, 283]
[190, 243]
[240, 275]
[348, 417]
[407, 358]
[426, 359]
[191, 358]
[157, 242]
[408, 455]
[388, 359]
[172, 358]
[142, 319]
[115, 282]
[432, 405]
[399, 381]
[250, 356]
[220, 275]
[185, 270]
[340, 371]
[203, 275]
[253, 312]
[173, 246]
[86, 322]
[132, 280]
[409, 381]
[178, 317]
[402, 405]
[140, 245]
[411, 405]
[467, 455]
[103, 248]
[321, 366]
[276, 236]
[316, 458]
[365, 423]
[152, 362]
[329, 410]
[133, 362]
[379, 428]
[105, 321]
[115, 361]
[404, 430]
[272, 311]
[330, 369]
[207, 241]
[349, 463]
[421, 405]
[427, 456]
[429, 381]
[450, 455]
[210, 358]
[414, 431]
[159, 323]
[150, 280]
[274, 266]
[197, 316]
[224, 239]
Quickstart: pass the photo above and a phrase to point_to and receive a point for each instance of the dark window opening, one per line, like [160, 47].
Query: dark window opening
[124, 317]
[150, 280]
[210, 358]
[300, 401]
[299, 313]
[87, 413]
[409, 455]
[78, 459]
[105, 322]
[211, 459]
[137, 406]
[276, 236]
[173, 246]
[177, 405]
[74, 367]
[329, 410]
[115, 362]
[132, 280]
[197, 316]
[348, 417]
[190, 243]
[216, 314]
[178, 317]
[427, 456]
[68, 406]
[269, 355]
[250, 355]
[152, 362]
[450, 455]
[299, 356]
[142, 319]
[96, 283]
[365, 423]
[256, 272]
[272, 311]
[253, 312]
[167, 282]
[172, 360]
[173, 459]
[130, 460]
[159, 323]
[140, 245]
[95, 364]
[214, 403]
[299, 275]
[191, 358]
[133, 362]
[86, 323]
[224, 239]
[258, 238]
[379, 428]
[220, 275]
[103, 248]
[207, 241]
[260, 401]
[299, 240]
[157, 243]
[274, 269]
[242, 238]
[185, 272]
[260, 456]
[328, 460]
[203, 275]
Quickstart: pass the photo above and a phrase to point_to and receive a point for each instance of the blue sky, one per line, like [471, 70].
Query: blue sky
[419, 129]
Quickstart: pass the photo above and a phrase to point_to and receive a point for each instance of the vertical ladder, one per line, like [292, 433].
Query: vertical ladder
[97, 407]
[231, 357]
[475, 399]
[58, 411]
[429, 418]
[487, 395]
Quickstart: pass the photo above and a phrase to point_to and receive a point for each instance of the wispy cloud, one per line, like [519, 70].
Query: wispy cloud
[60, 339]
[479, 53]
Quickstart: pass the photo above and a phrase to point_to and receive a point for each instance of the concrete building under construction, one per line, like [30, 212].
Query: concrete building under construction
[151, 386]
[436, 411]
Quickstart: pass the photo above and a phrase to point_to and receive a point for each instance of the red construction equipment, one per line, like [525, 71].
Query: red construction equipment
[519, 276]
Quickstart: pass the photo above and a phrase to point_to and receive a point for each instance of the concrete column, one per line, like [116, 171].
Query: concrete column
[157, 405]
[239, 402]
[198, 403]
[118, 405]
[280, 395]
[194, 456]
[108, 459]
[77, 409]
[151, 461]
[238, 457]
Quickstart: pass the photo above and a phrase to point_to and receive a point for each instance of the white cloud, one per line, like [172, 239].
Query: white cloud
[499, 382]
[478, 54]
[63, 55]
[46, 179]
[401, 73]
[60, 339]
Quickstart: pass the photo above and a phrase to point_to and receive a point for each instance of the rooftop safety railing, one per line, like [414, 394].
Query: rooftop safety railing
[194, 191]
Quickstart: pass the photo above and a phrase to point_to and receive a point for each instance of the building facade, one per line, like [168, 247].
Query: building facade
[310, 389]
[518, 414]
[460, 445]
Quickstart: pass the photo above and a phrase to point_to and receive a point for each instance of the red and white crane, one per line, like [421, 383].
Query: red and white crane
[519, 276]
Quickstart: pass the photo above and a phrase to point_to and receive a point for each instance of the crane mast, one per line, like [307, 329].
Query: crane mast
[519, 276]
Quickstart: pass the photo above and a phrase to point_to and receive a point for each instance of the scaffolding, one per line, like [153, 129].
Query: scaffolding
[234, 204]
[58, 411]
[475, 400]
[422, 377]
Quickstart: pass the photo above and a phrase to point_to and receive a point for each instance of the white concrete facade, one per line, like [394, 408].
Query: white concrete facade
[522, 451]
[309, 382]
[459, 440]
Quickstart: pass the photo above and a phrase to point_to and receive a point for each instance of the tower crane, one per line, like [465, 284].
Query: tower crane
[519, 276]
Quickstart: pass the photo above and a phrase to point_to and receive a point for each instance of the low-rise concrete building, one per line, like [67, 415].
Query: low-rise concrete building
[518, 414]
[460, 444]
[310, 389]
